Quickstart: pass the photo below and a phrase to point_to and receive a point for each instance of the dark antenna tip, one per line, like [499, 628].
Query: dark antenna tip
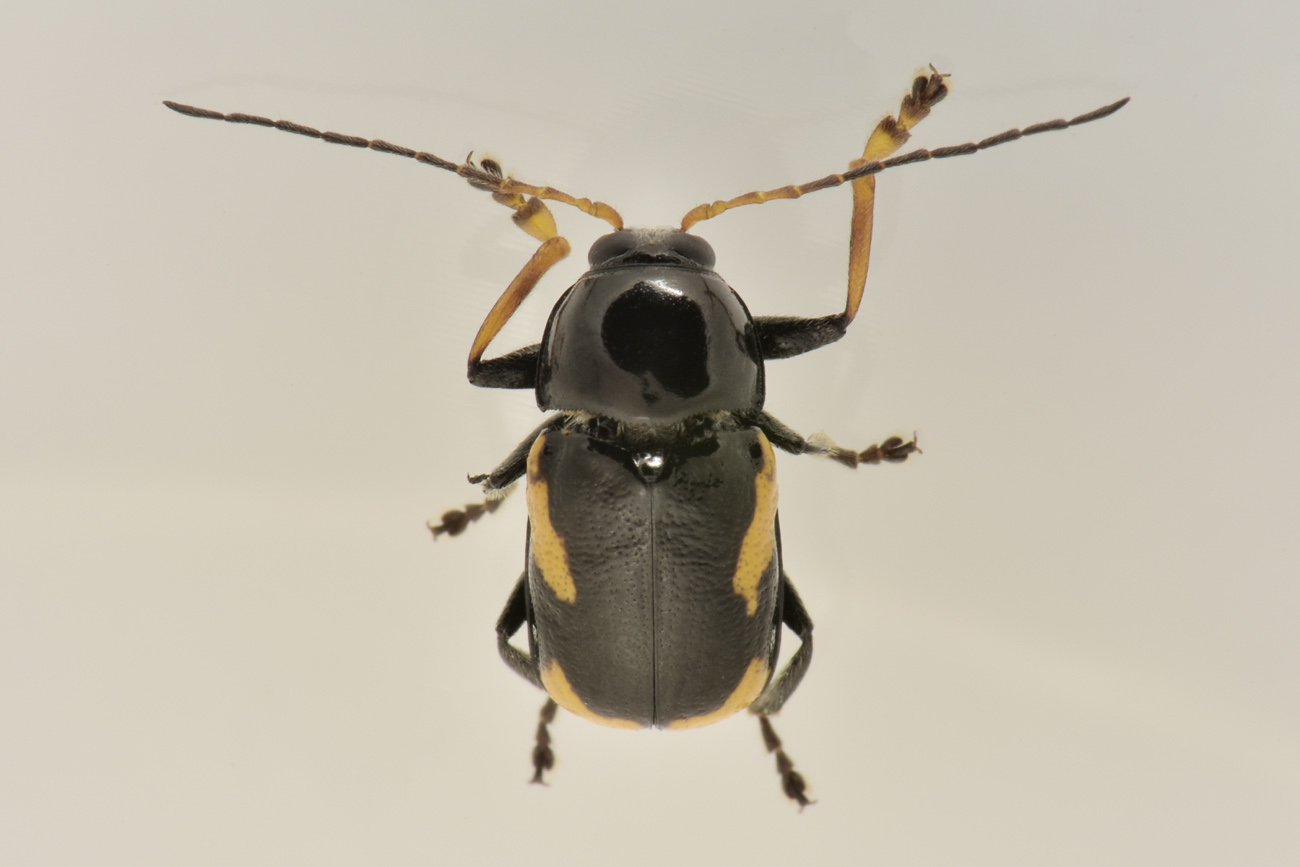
[193, 111]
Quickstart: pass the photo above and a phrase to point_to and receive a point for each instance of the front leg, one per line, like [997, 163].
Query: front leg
[516, 369]
[786, 336]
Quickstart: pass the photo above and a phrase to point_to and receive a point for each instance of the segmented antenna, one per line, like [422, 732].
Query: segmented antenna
[487, 175]
[875, 167]
[483, 176]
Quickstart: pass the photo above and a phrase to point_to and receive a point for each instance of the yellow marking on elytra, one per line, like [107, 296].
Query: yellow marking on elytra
[558, 687]
[751, 684]
[759, 544]
[546, 546]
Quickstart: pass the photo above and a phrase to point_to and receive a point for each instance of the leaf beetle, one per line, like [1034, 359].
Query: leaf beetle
[654, 592]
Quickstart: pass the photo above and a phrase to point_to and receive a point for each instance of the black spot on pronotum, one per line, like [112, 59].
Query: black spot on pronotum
[647, 331]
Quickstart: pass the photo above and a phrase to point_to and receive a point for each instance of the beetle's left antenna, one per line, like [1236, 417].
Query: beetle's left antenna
[486, 175]
[526, 200]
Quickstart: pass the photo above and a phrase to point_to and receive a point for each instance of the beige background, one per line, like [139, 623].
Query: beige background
[231, 366]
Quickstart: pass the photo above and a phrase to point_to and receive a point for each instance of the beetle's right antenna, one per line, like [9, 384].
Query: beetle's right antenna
[889, 135]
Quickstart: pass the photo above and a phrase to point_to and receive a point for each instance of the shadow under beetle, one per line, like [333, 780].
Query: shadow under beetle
[654, 591]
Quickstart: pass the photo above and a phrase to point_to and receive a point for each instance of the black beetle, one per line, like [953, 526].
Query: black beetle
[654, 591]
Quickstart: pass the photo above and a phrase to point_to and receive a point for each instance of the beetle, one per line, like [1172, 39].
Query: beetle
[654, 592]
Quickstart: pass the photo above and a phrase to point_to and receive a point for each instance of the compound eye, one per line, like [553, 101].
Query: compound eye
[610, 246]
[692, 247]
